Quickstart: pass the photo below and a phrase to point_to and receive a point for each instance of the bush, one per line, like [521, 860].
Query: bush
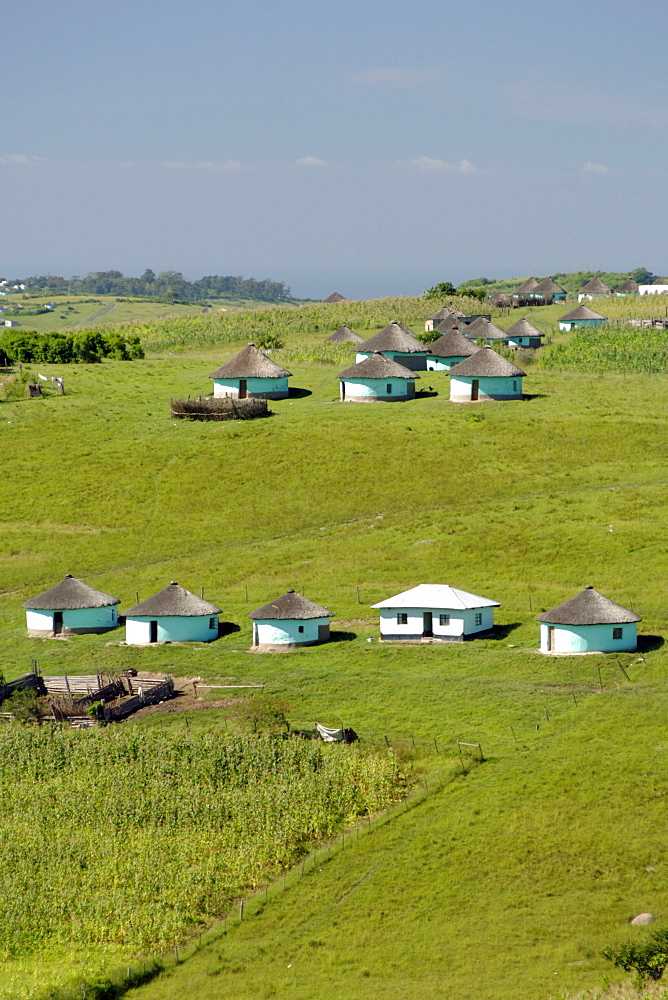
[648, 958]
[89, 347]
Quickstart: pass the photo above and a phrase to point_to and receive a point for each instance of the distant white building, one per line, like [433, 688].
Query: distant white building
[652, 289]
[435, 612]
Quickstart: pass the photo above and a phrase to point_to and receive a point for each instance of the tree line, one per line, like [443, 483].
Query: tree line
[89, 347]
[168, 286]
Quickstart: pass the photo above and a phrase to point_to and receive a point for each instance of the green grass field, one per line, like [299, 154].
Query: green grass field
[536, 859]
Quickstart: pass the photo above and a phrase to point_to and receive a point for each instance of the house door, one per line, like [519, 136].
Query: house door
[550, 639]
[153, 631]
[57, 622]
[474, 389]
[427, 624]
[243, 388]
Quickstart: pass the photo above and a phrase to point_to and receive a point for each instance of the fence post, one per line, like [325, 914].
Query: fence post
[241, 910]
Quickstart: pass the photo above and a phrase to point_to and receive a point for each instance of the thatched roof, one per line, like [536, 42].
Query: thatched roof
[394, 337]
[595, 287]
[628, 286]
[378, 366]
[71, 595]
[498, 298]
[527, 286]
[484, 329]
[437, 595]
[173, 601]
[344, 335]
[448, 323]
[588, 608]
[522, 328]
[453, 344]
[486, 363]
[291, 606]
[445, 311]
[548, 286]
[250, 363]
[582, 312]
[335, 297]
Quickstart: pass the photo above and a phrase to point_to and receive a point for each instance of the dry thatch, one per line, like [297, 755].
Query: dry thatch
[219, 408]
[595, 287]
[378, 366]
[548, 286]
[290, 606]
[527, 286]
[486, 363]
[335, 297]
[250, 363]
[453, 344]
[589, 607]
[522, 328]
[582, 312]
[173, 601]
[483, 329]
[344, 335]
[394, 337]
[71, 595]
[629, 285]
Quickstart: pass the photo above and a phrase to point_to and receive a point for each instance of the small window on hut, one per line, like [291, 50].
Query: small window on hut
[444, 619]
[301, 628]
[389, 388]
[478, 618]
[617, 633]
[212, 622]
[514, 385]
[402, 618]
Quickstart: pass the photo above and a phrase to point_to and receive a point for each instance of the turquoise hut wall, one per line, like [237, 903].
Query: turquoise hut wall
[270, 388]
[488, 388]
[435, 364]
[286, 632]
[375, 390]
[40, 622]
[577, 323]
[179, 628]
[587, 638]
[416, 362]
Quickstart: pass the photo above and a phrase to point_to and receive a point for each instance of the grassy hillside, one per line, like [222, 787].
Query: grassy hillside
[540, 852]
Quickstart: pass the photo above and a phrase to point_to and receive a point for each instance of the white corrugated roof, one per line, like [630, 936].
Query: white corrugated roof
[437, 595]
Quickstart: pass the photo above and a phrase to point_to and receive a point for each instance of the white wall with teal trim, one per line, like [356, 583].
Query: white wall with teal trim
[462, 622]
[492, 388]
[523, 341]
[400, 388]
[435, 364]
[254, 386]
[576, 323]
[416, 362]
[587, 638]
[177, 628]
[280, 632]
[80, 618]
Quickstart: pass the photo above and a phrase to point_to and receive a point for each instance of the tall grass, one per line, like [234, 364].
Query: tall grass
[610, 349]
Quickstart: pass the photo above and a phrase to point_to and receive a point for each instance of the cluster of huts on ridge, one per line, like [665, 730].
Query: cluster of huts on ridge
[588, 622]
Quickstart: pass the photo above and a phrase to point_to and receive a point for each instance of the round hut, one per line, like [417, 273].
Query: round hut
[436, 318]
[344, 335]
[628, 287]
[70, 608]
[376, 379]
[582, 316]
[172, 615]
[289, 622]
[547, 291]
[334, 298]
[448, 350]
[483, 329]
[594, 289]
[483, 376]
[251, 374]
[588, 623]
[523, 334]
[397, 343]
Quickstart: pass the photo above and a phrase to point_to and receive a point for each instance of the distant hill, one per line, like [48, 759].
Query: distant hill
[572, 281]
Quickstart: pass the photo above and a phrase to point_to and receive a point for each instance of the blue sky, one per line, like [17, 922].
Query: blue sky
[363, 147]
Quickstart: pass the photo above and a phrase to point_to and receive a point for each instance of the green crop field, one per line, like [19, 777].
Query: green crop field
[509, 879]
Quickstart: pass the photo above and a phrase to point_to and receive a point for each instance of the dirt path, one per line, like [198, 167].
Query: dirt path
[104, 312]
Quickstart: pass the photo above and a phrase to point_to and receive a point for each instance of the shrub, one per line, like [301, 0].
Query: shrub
[648, 958]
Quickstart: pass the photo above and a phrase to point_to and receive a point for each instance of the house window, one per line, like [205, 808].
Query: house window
[402, 618]
[389, 388]
[478, 618]
[514, 385]
[444, 619]
[212, 623]
[617, 633]
[301, 628]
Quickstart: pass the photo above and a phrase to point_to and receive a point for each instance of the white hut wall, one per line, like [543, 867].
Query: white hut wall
[588, 638]
[376, 389]
[262, 388]
[280, 632]
[77, 620]
[488, 388]
[435, 364]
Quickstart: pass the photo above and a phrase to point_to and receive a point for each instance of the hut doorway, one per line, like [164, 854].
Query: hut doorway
[427, 624]
[474, 389]
[153, 631]
[243, 388]
[57, 622]
[550, 639]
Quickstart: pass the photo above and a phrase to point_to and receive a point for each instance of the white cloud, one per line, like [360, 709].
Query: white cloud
[430, 164]
[595, 168]
[228, 166]
[396, 77]
[310, 161]
[21, 160]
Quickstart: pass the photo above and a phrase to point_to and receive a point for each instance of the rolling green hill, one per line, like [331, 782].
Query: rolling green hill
[508, 880]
